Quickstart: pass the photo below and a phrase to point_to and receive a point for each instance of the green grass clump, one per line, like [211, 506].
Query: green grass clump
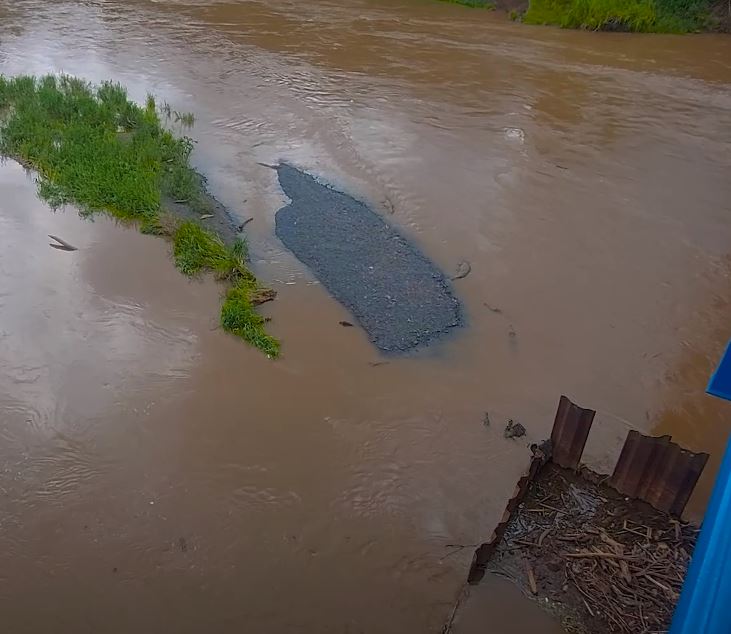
[238, 316]
[682, 16]
[70, 134]
[93, 147]
[196, 249]
[667, 16]
[632, 15]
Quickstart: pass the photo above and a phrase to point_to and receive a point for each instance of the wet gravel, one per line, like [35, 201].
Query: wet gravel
[393, 291]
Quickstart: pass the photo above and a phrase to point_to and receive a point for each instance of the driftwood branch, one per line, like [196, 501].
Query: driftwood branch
[62, 244]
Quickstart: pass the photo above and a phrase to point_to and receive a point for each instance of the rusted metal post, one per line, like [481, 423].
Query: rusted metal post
[658, 471]
[570, 431]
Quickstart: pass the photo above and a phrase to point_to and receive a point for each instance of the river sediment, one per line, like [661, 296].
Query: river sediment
[394, 292]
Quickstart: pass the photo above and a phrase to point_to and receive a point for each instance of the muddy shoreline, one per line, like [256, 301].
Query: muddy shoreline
[217, 218]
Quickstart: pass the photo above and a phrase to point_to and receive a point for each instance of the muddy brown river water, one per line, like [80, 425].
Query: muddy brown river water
[157, 475]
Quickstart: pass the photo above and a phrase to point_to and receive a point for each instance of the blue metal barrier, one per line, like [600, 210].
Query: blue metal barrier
[705, 603]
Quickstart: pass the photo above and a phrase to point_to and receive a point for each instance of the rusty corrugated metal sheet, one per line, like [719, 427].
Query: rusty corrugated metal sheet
[570, 431]
[658, 471]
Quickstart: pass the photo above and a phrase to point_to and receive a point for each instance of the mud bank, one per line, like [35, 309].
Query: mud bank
[399, 297]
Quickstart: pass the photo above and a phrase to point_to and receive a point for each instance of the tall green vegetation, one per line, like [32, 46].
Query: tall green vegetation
[662, 16]
[93, 147]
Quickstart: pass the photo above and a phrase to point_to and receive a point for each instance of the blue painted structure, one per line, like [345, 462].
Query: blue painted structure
[705, 603]
[720, 383]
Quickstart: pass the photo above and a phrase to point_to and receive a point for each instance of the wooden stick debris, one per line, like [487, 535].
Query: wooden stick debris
[531, 578]
[62, 244]
[625, 575]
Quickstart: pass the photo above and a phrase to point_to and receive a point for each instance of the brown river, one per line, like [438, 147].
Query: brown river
[157, 475]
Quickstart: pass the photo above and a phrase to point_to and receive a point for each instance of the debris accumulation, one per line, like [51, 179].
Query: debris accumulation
[600, 562]
[514, 430]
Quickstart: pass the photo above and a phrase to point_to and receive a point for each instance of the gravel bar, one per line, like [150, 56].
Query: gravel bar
[399, 297]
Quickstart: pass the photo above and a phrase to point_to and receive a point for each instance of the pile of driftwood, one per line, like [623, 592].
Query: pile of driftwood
[634, 584]
[605, 563]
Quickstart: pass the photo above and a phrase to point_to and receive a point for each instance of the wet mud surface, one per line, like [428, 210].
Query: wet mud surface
[216, 218]
[396, 294]
[498, 606]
